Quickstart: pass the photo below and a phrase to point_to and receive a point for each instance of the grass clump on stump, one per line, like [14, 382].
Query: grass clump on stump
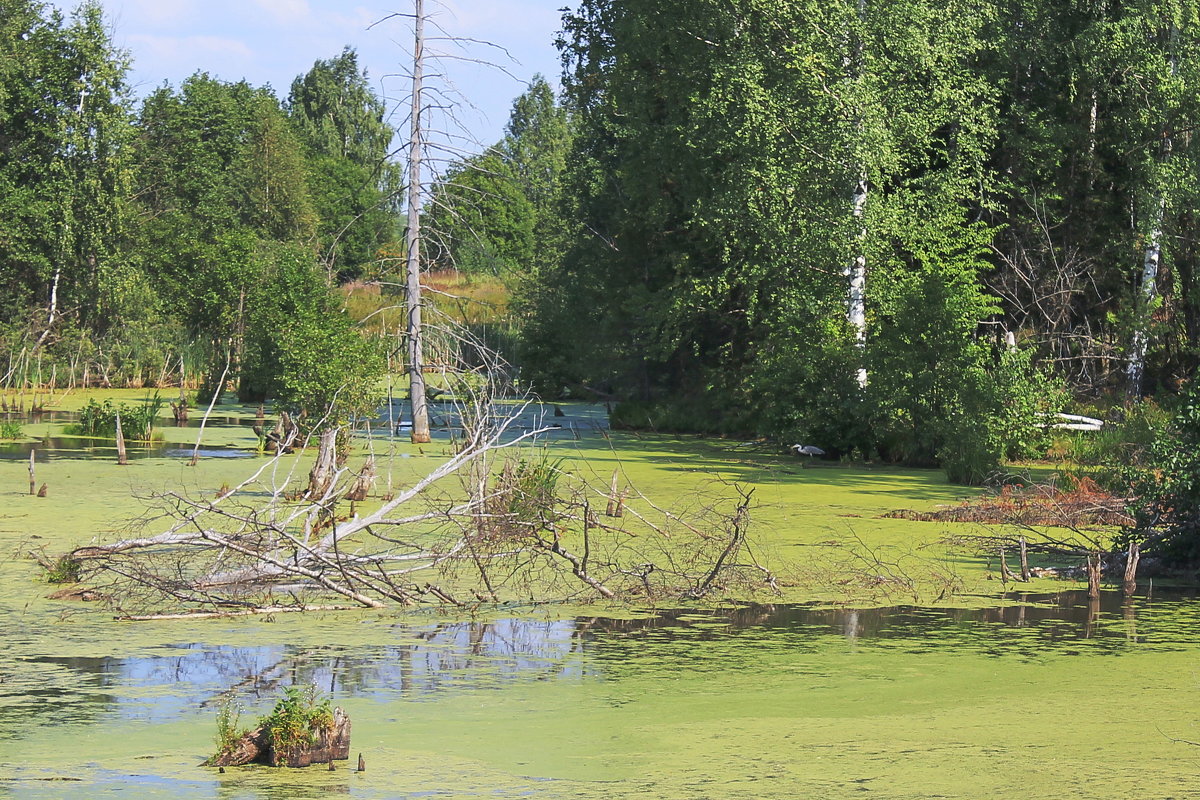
[304, 728]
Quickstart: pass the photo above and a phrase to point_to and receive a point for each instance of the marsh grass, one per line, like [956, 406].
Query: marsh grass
[11, 430]
[99, 419]
[229, 730]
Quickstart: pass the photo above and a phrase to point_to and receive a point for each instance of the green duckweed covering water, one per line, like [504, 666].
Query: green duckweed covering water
[988, 699]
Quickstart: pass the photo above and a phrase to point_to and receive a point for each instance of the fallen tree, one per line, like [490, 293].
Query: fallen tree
[497, 520]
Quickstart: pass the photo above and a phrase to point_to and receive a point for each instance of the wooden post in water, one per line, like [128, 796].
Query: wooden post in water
[1131, 565]
[122, 458]
[32, 479]
[1024, 561]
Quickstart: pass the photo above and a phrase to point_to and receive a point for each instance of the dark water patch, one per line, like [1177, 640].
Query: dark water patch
[72, 448]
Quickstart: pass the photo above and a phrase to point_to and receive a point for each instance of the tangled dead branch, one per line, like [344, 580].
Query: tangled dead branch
[497, 520]
[1084, 506]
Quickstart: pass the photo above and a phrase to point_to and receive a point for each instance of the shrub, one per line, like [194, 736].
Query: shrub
[297, 718]
[1167, 490]
[293, 723]
[99, 420]
[64, 570]
[10, 430]
[229, 733]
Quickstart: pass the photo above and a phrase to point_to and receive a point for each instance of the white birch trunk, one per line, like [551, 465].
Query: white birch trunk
[1141, 335]
[856, 302]
[1151, 258]
[856, 270]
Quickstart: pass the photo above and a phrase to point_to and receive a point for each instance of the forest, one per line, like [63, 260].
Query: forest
[911, 232]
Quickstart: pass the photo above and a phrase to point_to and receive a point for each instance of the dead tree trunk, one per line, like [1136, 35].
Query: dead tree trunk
[412, 239]
[363, 483]
[1093, 572]
[324, 471]
[122, 457]
[32, 467]
[1131, 565]
[616, 497]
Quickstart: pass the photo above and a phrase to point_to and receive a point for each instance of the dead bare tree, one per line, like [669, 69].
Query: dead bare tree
[430, 144]
[1051, 294]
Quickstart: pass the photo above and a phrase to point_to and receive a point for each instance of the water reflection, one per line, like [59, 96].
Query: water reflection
[419, 662]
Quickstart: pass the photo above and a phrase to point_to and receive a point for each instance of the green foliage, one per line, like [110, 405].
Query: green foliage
[99, 419]
[527, 489]
[10, 429]
[354, 187]
[301, 350]
[229, 731]
[1167, 492]
[483, 222]
[297, 719]
[1126, 441]
[64, 163]
[64, 570]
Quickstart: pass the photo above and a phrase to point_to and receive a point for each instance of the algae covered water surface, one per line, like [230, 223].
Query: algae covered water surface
[873, 693]
[1053, 699]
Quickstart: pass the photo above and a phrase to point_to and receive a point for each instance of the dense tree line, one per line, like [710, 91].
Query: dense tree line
[878, 226]
[200, 232]
[902, 229]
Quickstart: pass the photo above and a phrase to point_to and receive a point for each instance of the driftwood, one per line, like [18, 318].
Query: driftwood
[255, 748]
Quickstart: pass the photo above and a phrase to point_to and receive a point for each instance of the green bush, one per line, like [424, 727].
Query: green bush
[11, 430]
[303, 351]
[64, 570]
[1166, 489]
[297, 719]
[293, 723]
[99, 419]
[229, 732]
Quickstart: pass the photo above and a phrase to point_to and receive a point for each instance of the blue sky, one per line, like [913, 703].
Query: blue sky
[273, 41]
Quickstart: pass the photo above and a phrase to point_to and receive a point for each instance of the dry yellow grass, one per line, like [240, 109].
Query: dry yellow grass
[464, 299]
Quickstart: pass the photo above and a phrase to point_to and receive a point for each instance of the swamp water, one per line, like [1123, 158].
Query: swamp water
[1042, 696]
[1050, 699]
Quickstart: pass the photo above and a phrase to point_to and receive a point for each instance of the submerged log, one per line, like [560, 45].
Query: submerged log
[255, 748]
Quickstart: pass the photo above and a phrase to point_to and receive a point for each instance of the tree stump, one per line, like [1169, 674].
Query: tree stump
[363, 482]
[324, 471]
[255, 748]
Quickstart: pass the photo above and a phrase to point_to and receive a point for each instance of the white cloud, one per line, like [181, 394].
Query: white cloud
[288, 12]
